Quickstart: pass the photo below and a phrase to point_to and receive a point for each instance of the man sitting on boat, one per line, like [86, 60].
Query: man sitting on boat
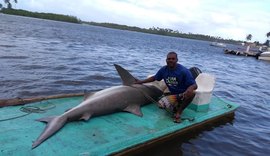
[180, 83]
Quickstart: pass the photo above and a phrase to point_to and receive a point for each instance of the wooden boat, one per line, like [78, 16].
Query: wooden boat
[115, 134]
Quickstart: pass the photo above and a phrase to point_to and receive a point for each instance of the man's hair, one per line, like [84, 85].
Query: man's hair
[172, 52]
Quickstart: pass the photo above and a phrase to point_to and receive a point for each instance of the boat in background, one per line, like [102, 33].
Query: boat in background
[217, 44]
[264, 56]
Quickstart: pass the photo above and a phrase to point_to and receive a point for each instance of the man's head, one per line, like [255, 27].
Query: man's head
[171, 59]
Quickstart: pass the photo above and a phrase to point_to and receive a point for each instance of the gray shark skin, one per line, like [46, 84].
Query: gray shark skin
[128, 97]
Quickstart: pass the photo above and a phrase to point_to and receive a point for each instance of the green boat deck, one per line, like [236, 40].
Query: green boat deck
[104, 135]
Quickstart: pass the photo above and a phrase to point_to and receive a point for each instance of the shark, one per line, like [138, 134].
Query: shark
[128, 97]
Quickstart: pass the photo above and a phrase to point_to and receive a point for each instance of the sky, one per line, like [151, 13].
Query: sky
[229, 19]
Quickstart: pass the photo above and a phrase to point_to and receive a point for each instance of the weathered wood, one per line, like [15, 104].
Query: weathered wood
[20, 101]
[141, 148]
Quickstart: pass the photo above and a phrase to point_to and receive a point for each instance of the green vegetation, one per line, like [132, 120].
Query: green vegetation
[267, 42]
[153, 30]
[50, 16]
[249, 37]
[165, 32]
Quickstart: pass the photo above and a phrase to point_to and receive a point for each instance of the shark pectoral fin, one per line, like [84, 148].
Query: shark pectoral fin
[87, 95]
[126, 77]
[134, 109]
[46, 119]
[85, 116]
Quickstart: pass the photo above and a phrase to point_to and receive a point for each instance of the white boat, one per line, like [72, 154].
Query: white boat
[217, 44]
[265, 56]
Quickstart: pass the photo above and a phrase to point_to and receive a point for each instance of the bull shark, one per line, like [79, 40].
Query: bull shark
[128, 97]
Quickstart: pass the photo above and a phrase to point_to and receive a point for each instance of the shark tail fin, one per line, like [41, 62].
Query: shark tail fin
[54, 123]
[126, 77]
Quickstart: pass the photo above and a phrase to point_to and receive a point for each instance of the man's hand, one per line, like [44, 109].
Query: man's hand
[189, 93]
[150, 79]
[137, 81]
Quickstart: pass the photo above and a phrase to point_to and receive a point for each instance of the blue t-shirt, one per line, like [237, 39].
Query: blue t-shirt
[177, 80]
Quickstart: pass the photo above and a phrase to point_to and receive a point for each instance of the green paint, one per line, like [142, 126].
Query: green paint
[102, 135]
[199, 108]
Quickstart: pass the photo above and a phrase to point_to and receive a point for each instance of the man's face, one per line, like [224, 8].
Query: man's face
[171, 60]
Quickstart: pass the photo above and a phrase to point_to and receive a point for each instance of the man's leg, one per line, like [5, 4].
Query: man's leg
[183, 102]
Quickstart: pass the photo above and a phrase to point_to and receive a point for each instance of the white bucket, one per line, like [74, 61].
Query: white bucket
[205, 83]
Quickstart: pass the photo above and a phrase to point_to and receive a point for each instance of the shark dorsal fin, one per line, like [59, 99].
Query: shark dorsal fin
[87, 95]
[126, 77]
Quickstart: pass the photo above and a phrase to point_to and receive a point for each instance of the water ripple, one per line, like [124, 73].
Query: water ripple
[47, 58]
[13, 57]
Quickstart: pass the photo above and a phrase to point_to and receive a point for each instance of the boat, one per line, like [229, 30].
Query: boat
[119, 133]
[218, 44]
[241, 53]
[264, 56]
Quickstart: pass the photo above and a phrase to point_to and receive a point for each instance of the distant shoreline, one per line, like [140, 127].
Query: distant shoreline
[165, 32]
[49, 16]
[153, 30]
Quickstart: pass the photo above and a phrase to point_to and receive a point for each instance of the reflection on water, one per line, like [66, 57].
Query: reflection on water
[41, 57]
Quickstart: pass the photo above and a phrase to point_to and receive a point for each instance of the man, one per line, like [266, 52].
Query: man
[180, 83]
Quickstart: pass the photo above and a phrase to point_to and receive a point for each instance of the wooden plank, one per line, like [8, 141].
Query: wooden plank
[20, 101]
[140, 148]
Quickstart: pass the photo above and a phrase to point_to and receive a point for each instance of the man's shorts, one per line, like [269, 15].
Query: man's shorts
[170, 102]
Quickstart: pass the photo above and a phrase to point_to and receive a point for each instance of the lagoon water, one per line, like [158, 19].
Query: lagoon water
[41, 57]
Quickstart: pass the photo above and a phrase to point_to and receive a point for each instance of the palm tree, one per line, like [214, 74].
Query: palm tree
[249, 37]
[268, 34]
[267, 41]
[9, 6]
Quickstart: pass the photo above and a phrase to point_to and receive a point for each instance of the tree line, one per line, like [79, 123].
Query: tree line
[266, 43]
[165, 32]
[50, 16]
[153, 30]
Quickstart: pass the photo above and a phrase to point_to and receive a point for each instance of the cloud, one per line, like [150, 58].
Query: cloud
[225, 18]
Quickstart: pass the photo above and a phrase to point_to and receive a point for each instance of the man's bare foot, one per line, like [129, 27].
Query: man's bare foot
[177, 118]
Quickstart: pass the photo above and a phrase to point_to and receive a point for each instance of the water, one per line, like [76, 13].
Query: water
[41, 57]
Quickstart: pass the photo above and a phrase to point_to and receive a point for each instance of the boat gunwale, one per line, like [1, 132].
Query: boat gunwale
[22, 101]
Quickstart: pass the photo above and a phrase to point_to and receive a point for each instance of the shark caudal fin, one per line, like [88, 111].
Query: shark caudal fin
[126, 77]
[53, 125]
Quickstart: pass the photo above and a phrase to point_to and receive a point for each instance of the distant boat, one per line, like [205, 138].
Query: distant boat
[264, 56]
[217, 44]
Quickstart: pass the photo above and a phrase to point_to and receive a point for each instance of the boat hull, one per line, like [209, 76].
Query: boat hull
[264, 56]
[119, 133]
